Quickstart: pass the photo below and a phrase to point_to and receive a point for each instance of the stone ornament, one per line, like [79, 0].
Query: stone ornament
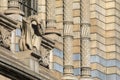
[5, 37]
[32, 31]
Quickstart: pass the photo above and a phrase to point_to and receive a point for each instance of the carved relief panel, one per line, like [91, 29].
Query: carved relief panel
[5, 37]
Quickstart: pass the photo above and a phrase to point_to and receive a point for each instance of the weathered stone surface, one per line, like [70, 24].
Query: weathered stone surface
[65, 19]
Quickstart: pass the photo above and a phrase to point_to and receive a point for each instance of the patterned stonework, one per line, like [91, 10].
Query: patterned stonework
[68, 38]
[85, 35]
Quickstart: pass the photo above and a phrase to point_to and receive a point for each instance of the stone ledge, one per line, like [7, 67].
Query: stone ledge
[13, 65]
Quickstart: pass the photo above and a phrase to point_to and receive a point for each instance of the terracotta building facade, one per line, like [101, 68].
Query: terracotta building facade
[59, 40]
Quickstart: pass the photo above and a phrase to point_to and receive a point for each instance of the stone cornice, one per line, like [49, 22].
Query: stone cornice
[8, 22]
[18, 70]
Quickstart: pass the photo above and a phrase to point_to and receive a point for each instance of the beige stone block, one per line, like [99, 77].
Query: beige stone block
[59, 18]
[42, 8]
[58, 60]
[111, 55]
[57, 74]
[59, 3]
[97, 22]
[76, 42]
[60, 45]
[76, 49]
[110, 12]
[101, 3]
[96, 66]
[97, 37]
[98, 16]
[93, 51]
[111, 70]
[110, 26]
[97, 8]
[110, 19]
[3, 5]
[76, 34]
[76, 20]
[76, 64]
[41, 2]
[59, 25]
[97, 29]
[42, 15]
[76, 27]
[110, 48]
[76, 12]
[110, 33]
[97, 51]
[59, 10]
[110, 40]
[76, 5]
[96, 44]
[92, 1]
[110, 4]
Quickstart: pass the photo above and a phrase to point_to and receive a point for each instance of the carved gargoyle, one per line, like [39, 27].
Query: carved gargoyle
[32, 38]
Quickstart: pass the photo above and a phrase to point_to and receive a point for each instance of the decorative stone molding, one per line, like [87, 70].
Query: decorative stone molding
[85, 36]
[13, 68]
[68, 38]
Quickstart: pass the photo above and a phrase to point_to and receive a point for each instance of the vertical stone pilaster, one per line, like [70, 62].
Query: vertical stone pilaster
[68, 38]
[85, 35]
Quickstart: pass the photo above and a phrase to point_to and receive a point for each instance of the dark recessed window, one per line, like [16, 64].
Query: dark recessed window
[29, 7]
